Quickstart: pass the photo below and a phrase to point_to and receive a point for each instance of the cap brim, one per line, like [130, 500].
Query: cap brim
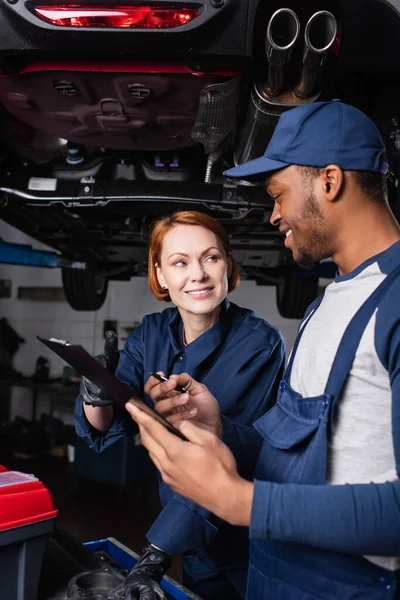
[256, 167]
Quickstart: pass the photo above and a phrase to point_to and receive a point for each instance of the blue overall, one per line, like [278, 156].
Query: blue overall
[295, 436]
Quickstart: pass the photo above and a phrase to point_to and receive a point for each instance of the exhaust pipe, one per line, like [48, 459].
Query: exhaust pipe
[259, 124]
[319, 35]
[282, 33]
[266, 104]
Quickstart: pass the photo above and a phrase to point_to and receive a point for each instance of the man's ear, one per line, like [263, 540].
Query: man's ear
[160, 278]
[332, 180]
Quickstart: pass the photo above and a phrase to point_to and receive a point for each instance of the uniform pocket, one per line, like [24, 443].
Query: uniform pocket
[294, 448]
[283, 430]
[292, 419]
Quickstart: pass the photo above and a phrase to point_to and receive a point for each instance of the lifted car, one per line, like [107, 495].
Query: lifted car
[113, 113]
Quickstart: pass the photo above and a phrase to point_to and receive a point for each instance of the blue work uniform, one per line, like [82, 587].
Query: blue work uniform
[240, 359]
[295, 551]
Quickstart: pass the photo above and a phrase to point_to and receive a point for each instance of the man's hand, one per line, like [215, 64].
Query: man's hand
[199, 405]
[202, 469]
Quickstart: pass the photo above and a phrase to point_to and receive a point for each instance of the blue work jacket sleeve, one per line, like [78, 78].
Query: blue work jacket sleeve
[360, 519]
[245, 444]
[130, 371]
[183, 526]
[253, 384]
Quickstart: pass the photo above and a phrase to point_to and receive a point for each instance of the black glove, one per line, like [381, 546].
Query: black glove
[91, 392]
[143, 581]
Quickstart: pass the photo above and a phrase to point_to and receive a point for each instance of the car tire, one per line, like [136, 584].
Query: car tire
[84, 289]
[294, 293]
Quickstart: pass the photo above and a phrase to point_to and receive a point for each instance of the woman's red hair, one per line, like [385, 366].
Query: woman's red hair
[185, 217]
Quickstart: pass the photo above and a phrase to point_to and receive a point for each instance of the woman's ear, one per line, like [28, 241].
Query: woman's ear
[160, 277]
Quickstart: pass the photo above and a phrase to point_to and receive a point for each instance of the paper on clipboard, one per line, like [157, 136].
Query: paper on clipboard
[84, 363]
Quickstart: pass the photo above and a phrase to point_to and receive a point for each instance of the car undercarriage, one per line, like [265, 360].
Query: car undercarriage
[113, 114]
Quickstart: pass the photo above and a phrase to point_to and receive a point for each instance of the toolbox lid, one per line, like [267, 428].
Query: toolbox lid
[23, 500]
[8, 478]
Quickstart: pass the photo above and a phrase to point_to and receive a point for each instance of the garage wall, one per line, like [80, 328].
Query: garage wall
[127, 302]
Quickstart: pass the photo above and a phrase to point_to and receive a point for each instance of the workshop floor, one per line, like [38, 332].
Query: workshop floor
[91, 511]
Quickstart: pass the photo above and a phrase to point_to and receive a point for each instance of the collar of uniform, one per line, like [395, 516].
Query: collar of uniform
[197, 351]
[386, 260]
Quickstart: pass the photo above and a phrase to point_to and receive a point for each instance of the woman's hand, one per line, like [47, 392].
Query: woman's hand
[202, 469]
[199, 405]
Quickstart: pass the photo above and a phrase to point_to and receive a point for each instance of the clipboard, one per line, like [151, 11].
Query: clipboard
[85, 364]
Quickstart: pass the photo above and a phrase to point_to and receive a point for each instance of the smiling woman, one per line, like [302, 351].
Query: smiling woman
[191, 263]
[228, 348]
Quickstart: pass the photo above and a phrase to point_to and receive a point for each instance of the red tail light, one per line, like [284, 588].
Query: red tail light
[141, 16]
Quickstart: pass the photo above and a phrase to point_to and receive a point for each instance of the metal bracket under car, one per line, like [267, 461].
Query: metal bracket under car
[90, 192]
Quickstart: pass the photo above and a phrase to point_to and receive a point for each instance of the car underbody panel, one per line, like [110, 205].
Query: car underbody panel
[112, 115]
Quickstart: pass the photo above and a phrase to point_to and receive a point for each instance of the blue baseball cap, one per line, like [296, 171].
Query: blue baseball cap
[317, 135]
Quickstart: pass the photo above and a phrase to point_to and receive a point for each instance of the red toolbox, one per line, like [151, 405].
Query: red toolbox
[27, 517]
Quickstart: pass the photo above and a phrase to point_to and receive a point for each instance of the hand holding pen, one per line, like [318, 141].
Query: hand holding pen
[180, 397]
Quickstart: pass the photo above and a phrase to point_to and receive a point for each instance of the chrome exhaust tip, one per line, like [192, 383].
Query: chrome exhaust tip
[282, 33]
[320, 32]
[319, 36]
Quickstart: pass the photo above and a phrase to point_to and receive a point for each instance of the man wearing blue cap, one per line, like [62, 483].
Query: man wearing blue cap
[317, 477]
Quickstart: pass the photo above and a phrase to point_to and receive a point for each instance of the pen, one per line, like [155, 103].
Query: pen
[178, 388]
